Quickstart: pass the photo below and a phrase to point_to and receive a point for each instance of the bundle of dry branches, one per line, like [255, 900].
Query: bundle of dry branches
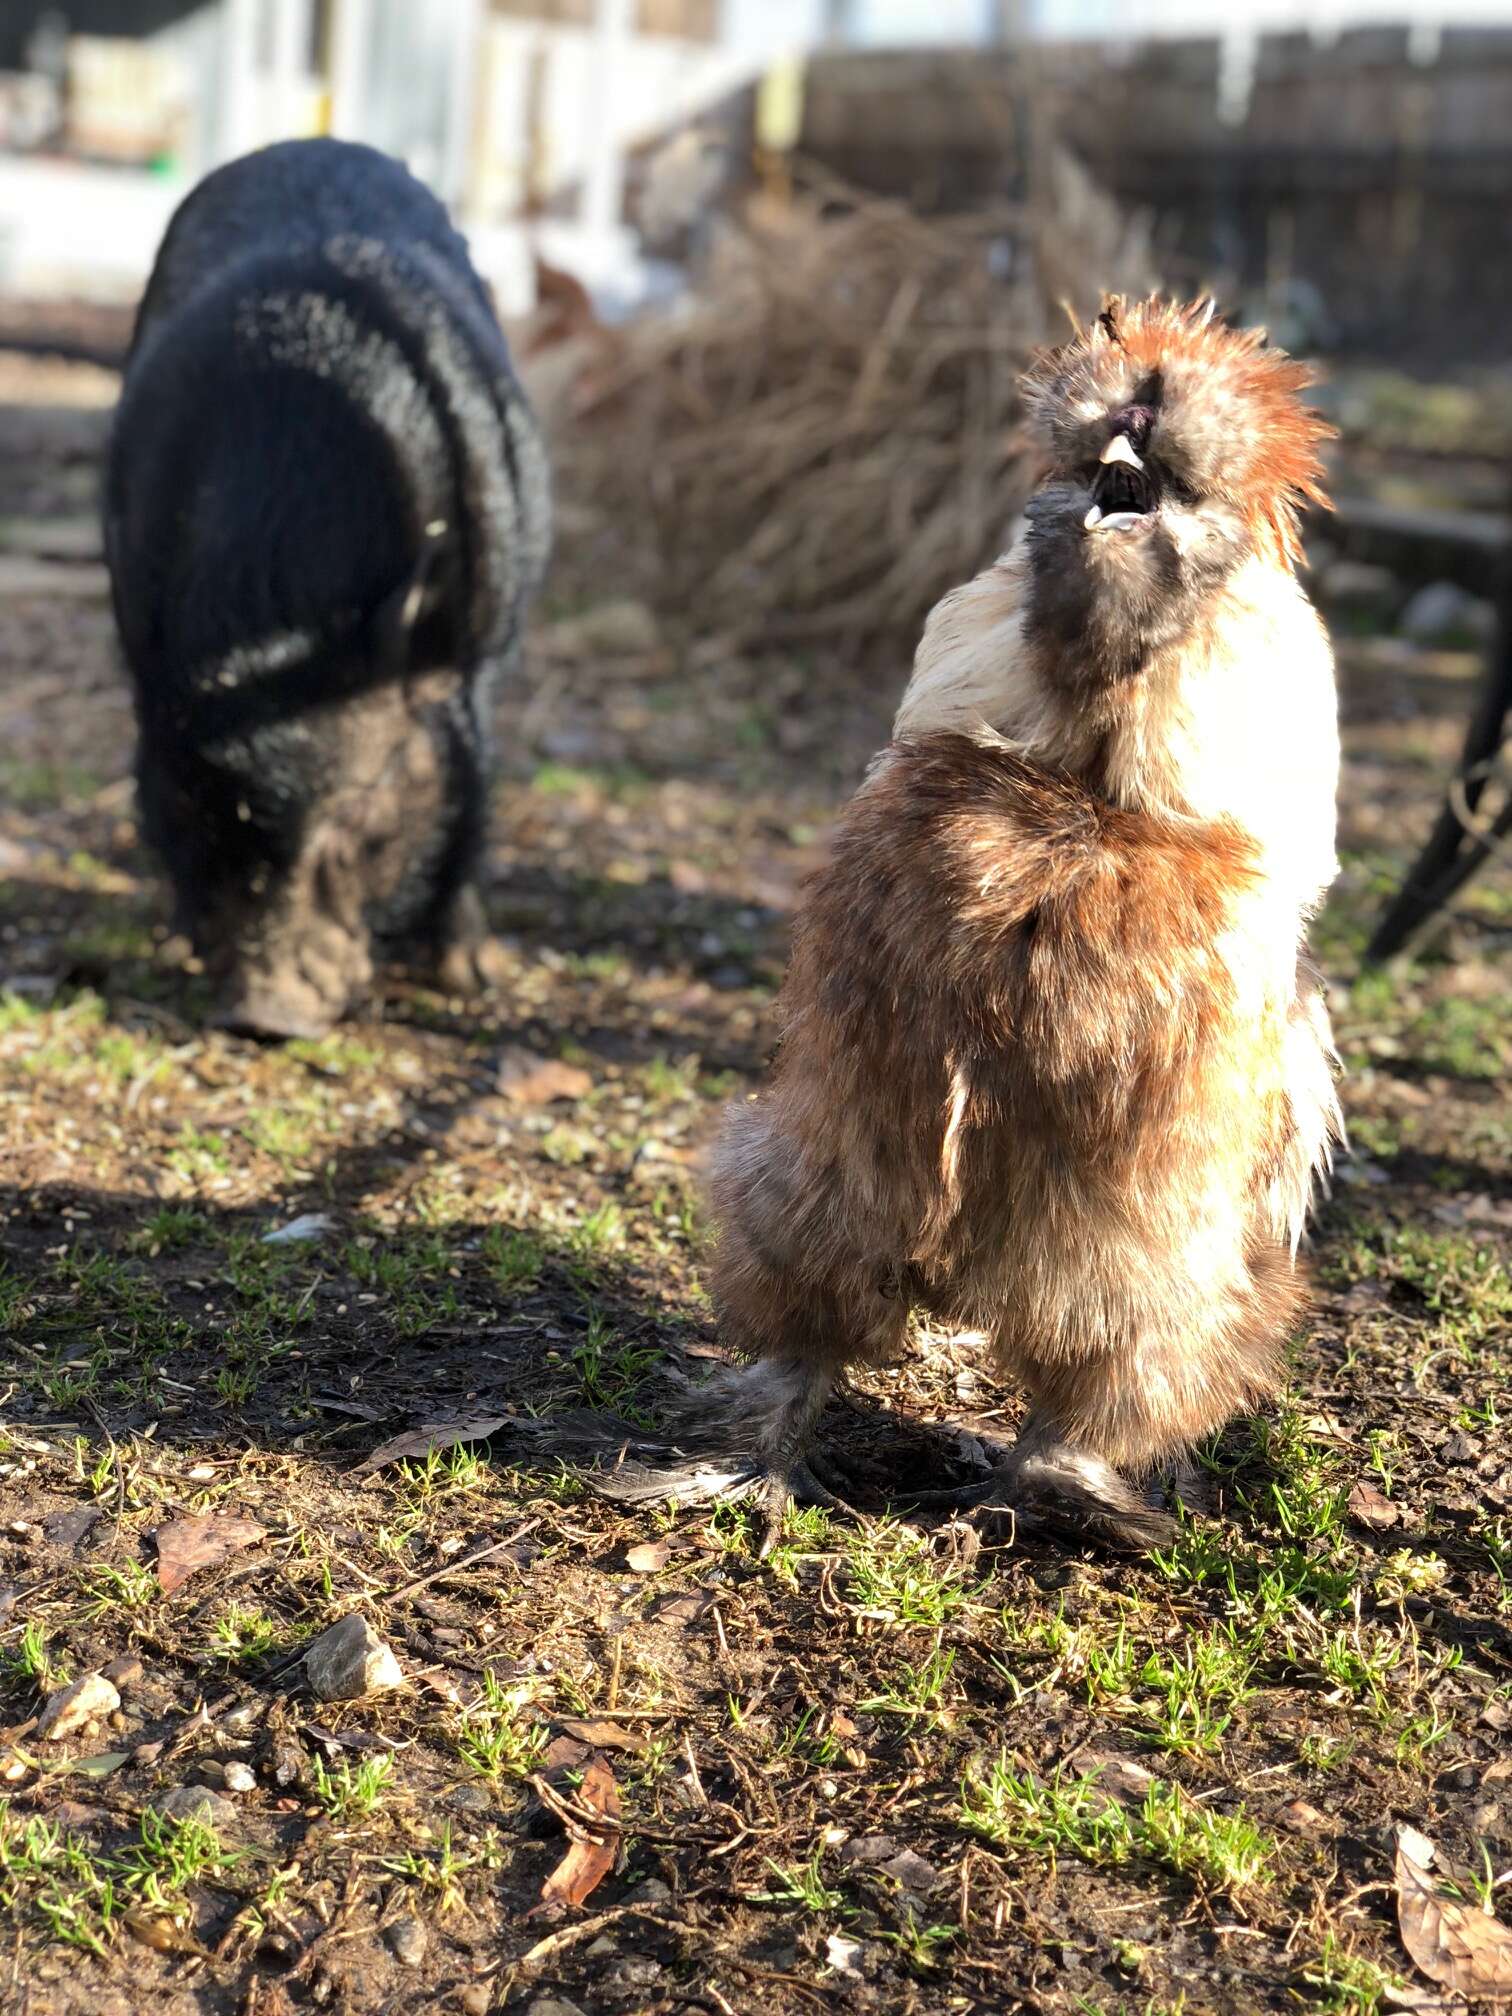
[823, 436]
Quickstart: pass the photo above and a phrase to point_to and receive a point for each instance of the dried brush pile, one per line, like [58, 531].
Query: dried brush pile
[823, 436]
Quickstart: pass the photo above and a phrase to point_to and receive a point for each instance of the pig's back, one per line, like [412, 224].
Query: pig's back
[293, 198]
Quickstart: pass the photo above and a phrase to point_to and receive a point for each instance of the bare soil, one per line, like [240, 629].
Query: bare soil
[889, 1771]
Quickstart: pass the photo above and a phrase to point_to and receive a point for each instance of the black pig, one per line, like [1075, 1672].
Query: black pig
[326, 509]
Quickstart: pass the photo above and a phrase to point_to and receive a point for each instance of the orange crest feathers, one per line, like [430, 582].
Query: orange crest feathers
[1230, 418]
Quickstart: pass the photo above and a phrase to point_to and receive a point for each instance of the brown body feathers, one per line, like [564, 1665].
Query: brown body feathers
[1053, 1065]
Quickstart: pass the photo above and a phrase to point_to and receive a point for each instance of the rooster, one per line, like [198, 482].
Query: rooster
[1054, 1065]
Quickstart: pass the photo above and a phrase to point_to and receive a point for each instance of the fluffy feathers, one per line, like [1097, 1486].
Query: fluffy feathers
[1053, 1065]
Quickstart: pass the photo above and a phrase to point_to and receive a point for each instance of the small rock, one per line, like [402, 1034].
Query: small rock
[841, 1955]
[277, 1949]
[868, 1848]
[1460, 1448]
[283, 1762]
[555, 2005]
[405, 1939]
[197, 1802]
[476, 1999]
[350, 1660]
[469, 1799]
[912, 1871]
[124, 1673]
[240, 1777]
[630, 1976]
[1444, 613]
[67, 1531]
[652, 1891]
[83, 1700]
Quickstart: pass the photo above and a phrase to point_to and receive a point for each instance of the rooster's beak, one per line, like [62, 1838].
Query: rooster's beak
[1120, 450]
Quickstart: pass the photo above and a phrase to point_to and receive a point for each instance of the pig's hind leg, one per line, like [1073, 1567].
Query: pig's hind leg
[452, 945]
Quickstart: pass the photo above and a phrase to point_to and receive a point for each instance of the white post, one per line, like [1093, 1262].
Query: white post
[291, 64]
[469, 24]
[604, 179]
[351, 39]
[240, 113]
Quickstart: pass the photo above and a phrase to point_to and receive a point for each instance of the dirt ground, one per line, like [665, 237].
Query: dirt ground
[888, 1771]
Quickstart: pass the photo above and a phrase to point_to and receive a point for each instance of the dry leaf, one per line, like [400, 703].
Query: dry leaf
[648, 1557]
[432, 1435]
[188, 1546]
[565, 1753]
[1371, 1508]
[1466, 1949]
[604, 1735]
[537, 1081]
[590, 1856]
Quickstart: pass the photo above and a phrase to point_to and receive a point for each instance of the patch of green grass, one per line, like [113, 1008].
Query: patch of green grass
[351, 1791]
[1463, 1038]
[1071, 1816]
[1360, 1661]
[334, 1056]
[1196, 1690]
[79, 1892]
[30, 1661]
[917, 1692]
[1047, 1817]
[1456, 1278]
[807, 1531]
[17, 1299]
[895, 1577]
[286, 1133]
[39, 786]
[412, 1275]
[612, 1370]
[494, 1738]
[198, 1155]
[1345, 1983]
[443, 1473]
[240, 1635]
[59, 1878]
[514, 1260]
[598, 1233]
[439, 1870]
[799, 1884]
[1304, 1493]
[1326, 1753]
[1418, 1735]
[170, 1231]
[1222, 1852]
[168, 1855]
[130, 1587]
[667, 1083]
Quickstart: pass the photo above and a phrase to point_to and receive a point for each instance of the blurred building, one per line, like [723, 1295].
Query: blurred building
[537, 119]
